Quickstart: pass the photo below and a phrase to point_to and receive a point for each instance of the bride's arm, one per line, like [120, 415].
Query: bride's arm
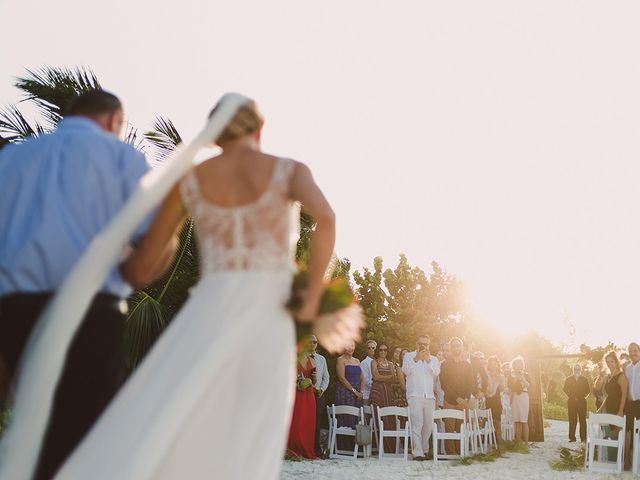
[158, 245]
[305, 190]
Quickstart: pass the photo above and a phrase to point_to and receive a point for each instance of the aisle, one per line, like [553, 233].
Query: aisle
[534, 465]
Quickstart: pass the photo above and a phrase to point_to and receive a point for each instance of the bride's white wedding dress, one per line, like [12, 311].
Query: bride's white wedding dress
[213, 397]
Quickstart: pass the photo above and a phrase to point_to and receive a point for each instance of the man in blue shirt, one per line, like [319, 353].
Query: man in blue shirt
[57, 192]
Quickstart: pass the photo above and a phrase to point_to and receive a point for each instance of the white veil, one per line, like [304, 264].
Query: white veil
[45, 353]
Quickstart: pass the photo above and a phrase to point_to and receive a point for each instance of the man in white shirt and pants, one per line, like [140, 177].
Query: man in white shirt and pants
[421, 370]
[632, 407]
[322, 383]
[365, 365]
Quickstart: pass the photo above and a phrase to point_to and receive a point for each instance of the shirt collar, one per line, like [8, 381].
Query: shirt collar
[77, 122]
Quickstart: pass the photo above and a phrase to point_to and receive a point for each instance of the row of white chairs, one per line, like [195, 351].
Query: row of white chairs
[600, 444]
[476, 433]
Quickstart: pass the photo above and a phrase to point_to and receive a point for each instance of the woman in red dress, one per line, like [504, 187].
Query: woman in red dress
[303, 422]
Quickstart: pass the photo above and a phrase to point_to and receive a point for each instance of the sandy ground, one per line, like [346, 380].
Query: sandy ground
[516, 466]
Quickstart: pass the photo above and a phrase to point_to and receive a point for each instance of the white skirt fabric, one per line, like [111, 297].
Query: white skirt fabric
[212, 399]
[520, 407]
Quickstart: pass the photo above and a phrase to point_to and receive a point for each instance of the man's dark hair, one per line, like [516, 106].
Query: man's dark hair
[94, 102]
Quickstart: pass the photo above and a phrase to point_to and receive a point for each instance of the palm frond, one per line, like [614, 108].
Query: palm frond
[133, 138]
[164, 138]
[15, 127]
[52, 88]
[146, 321]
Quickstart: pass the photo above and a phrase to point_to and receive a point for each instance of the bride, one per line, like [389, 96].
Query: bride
[213, 397]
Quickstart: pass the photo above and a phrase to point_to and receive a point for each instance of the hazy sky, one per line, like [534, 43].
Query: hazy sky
[499, 138]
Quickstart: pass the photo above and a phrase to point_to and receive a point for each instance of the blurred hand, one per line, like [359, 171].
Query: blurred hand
[335, 331]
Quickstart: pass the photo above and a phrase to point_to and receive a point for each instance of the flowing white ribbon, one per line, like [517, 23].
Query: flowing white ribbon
[45, 353]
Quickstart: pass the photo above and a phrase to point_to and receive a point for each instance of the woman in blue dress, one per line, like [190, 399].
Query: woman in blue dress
[349, 391]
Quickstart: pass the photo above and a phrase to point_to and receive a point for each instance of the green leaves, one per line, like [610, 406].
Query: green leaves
[146, 321]
[570, 460]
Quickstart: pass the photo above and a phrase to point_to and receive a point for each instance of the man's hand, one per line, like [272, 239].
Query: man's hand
[422, 355]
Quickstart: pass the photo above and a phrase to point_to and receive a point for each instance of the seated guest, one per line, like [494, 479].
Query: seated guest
[519, 387]
[458, 382]
[386, 379]
[495, 387]
[632, 405]
[302, 431]
[349, 390]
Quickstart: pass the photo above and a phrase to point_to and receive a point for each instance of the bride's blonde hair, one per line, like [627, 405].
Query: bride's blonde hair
[246, 121]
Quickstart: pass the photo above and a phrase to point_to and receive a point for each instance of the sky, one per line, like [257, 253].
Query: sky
[498, 138]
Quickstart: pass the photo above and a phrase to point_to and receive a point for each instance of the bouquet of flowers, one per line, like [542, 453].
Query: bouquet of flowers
[339, 316]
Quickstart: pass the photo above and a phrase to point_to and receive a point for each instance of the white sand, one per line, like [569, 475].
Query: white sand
[516, 466]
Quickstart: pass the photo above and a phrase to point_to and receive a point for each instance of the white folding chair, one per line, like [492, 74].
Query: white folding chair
[400, 432]
[461, 436]
[371, 420]
[343, 431]
[636, 447]
[473, 432]
[596, 424]
[488, 438]
[330, 422]
[507, 427]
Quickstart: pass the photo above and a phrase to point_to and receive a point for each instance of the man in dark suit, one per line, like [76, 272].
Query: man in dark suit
[577, 389]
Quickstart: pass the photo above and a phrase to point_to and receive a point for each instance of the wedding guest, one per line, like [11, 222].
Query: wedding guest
[632, 405]
[349, 390]
[302, 430]
[519, 383]
[404, 352]
[421, 369]
[577, 389]
[495, 387]
[58, 192]
[371, 346]
[321, 385]
[478, 369]
[401, 389]
[599, 384]
[386, 379]
[458, 383]
[616, 387]
[506, 394]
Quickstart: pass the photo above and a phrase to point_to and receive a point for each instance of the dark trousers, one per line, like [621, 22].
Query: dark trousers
[577, 410]
[321, 422]
[93, 371]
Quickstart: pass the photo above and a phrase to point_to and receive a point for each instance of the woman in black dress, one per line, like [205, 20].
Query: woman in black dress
[616, 388]
[493, 396]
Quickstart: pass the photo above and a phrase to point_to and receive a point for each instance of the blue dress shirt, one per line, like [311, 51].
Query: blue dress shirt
[57, 192]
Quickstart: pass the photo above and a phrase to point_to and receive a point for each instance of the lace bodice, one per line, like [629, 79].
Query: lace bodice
[260, 236]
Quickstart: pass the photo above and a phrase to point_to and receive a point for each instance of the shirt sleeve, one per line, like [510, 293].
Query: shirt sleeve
[407, 362]
[434, 365]
[324, 384]
[368, 377]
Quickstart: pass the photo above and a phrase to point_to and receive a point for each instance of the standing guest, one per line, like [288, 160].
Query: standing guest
[478, 369]
[625, 360]
[349, 390]
[577, 389]
[302, 431]
[404, 352]
[446, 350]
[386, 379]
[495, 387]
[401, 389]
[58, 192]
[421, 369]
[616, 387]
[371, 346]
[632, 406]
[600, 382]
[458, 383]
[321, 385]
[519, 387]
[506, 393]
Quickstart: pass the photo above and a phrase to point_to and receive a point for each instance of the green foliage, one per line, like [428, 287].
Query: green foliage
[493, 454]
[403, 302]
[554, 411]
[570, 460]
[515, 446]
[49, 90]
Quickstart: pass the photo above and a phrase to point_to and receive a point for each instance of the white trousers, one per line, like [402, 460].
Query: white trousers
[421, 414]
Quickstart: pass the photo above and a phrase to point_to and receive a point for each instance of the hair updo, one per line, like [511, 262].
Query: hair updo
[246, 121]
